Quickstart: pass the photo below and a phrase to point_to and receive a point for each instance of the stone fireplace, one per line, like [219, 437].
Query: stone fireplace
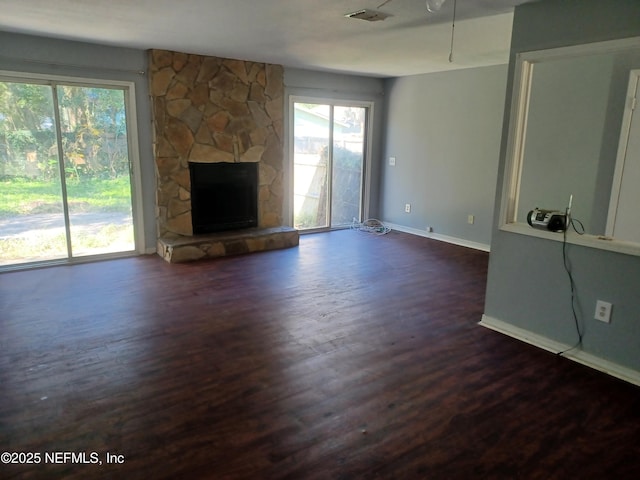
[210, 110]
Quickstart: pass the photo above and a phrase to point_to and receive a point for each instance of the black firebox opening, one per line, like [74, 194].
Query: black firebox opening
[224, 196]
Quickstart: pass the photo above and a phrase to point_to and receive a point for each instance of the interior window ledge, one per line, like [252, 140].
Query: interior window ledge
[592, 241]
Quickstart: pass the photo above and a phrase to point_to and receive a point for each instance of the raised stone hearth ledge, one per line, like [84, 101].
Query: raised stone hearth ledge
[178, 249]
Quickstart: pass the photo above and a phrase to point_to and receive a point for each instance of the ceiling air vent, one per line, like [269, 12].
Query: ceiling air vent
[368, 15]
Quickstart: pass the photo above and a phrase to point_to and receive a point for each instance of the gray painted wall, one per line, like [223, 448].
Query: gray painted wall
[444, 131]
[47, 56]
[326, 85]
[527, 285]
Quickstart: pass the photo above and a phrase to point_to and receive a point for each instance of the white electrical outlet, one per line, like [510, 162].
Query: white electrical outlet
[603, 311]
[407, 208]
[392, 161]
[470, 219]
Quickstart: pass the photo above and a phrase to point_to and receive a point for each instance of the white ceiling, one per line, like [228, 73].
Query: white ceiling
[311, 34]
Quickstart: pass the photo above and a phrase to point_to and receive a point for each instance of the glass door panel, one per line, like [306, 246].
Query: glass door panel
[329, 148]
[97, 168]
[310, 165]
[55, 208]
[32, 225]
[347, 168]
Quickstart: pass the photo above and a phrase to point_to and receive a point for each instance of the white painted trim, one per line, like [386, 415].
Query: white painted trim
[608, 46]
[625, 136]
[579, 356]
[516, 140]
[437, 236]
[72, 80]
[592, 241]
[135, 171]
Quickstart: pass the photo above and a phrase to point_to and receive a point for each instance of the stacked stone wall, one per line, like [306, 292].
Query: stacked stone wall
[210, 109]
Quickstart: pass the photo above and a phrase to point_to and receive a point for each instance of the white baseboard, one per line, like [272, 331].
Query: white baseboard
[437, 236]
[588, 359]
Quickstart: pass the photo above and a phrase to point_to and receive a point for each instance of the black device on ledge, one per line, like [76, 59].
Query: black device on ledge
[553, 220]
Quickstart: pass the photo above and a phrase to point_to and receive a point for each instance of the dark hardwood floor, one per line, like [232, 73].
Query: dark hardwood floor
[350, 357]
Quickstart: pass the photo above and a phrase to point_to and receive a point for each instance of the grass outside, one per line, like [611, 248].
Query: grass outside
[52, 245]
[22, 197]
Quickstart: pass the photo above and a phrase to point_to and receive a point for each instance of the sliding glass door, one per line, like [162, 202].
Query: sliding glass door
[65, 172]
[329, 145]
